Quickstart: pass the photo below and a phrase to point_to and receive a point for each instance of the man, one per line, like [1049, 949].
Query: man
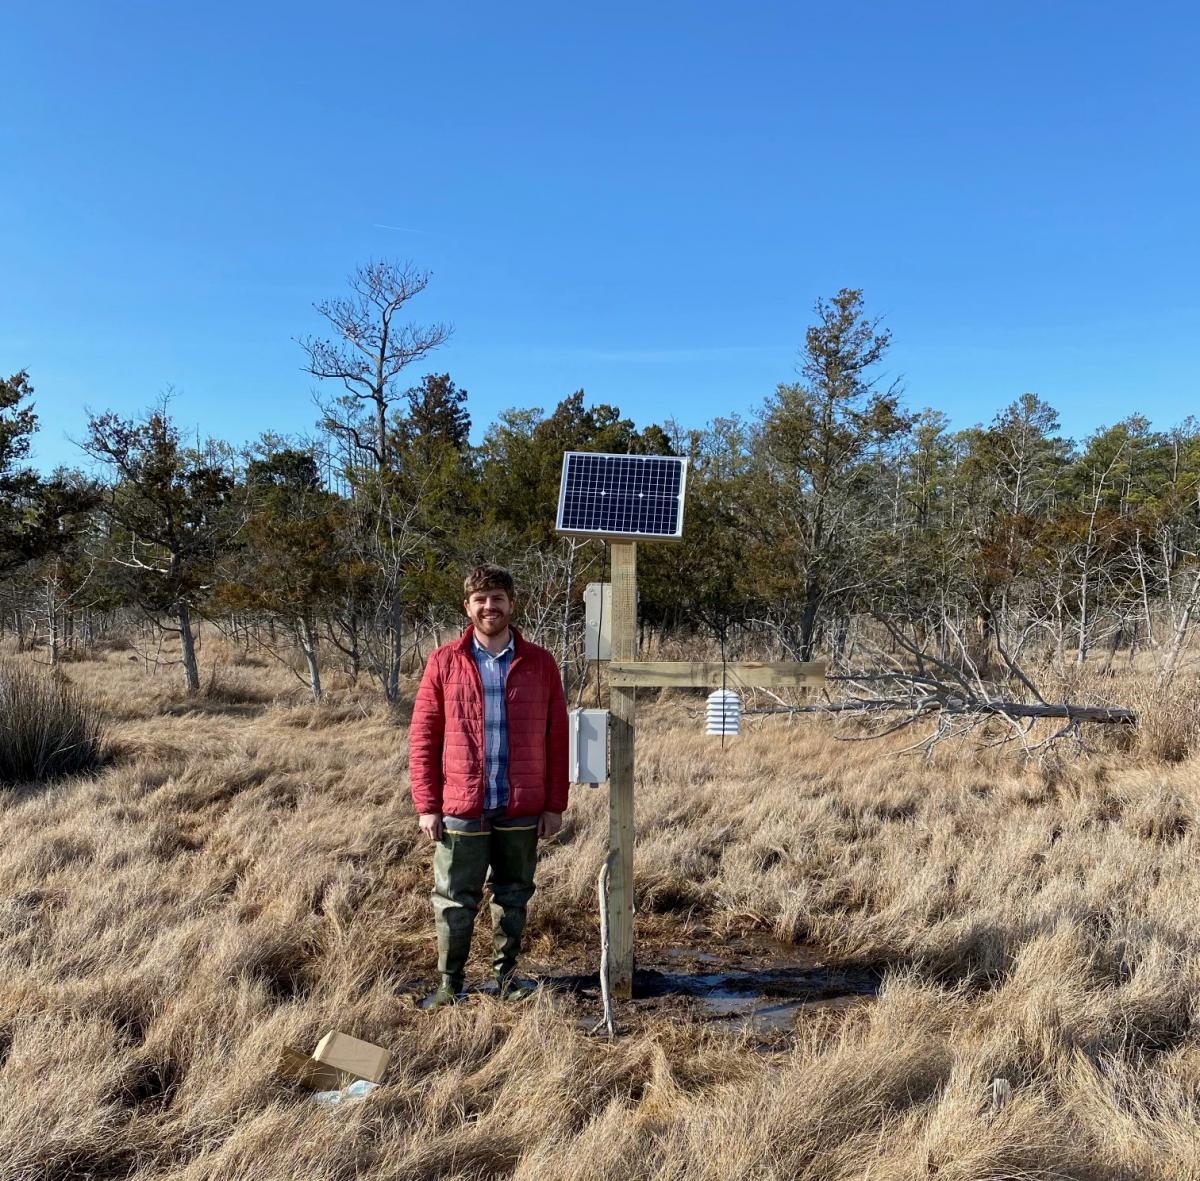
[488, 765]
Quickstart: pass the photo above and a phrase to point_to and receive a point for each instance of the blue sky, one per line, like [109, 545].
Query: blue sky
[643, 200]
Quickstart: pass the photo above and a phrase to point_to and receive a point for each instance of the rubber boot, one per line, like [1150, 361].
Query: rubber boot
[514, 860]
[446, 994]
[460, 862]
[515, 988]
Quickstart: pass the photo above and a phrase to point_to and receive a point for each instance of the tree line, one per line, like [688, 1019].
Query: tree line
[829, 506]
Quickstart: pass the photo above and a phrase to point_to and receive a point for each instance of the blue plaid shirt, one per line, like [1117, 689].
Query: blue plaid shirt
[493, 671]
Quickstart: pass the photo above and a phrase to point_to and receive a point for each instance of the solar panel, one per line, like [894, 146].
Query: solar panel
[621, 495]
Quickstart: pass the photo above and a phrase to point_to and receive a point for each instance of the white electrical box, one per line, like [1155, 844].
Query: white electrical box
[597, 621]
[589, 746]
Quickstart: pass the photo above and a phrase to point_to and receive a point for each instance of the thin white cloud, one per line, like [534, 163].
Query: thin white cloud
[668, 356]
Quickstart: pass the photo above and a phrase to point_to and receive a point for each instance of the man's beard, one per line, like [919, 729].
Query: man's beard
[493, 626]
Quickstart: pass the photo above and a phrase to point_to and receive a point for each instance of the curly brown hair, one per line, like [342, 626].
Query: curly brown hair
[489, 577]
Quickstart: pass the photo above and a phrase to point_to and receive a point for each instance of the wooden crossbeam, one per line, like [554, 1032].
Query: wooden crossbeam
[742, 674]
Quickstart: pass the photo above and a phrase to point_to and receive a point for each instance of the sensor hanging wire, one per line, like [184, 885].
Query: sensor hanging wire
[724, 699]
[723, 621]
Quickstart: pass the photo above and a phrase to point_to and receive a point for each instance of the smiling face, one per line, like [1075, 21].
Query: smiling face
[489, 610]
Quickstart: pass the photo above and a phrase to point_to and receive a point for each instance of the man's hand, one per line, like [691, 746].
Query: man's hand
[549, 824]
[431, 825]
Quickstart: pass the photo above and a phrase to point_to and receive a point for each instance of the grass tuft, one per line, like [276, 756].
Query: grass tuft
[47, 729]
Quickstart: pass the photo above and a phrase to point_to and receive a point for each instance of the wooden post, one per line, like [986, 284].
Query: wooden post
[620, 776]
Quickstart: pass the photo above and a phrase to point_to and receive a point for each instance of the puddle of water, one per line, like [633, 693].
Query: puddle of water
[738, 989]
[756, 1016]
[760, 1015]
[686, 953]
[763, 1000]
[801, 983]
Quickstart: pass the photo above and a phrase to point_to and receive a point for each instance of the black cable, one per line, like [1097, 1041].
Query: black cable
[724, 702]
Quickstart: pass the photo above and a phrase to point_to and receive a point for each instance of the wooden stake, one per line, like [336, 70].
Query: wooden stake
[620, 786]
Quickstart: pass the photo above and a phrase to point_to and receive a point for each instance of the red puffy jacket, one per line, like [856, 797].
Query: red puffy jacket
[445, 741]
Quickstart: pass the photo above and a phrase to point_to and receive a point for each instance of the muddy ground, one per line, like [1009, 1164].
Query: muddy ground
[750, 985]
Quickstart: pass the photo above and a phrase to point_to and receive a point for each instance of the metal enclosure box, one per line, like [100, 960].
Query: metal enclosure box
[597, 620]
[589, 745]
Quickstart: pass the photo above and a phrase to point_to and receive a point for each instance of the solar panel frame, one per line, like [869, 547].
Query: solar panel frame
[619, 520]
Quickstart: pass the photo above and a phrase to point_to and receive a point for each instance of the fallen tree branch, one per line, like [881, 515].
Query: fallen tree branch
[959, 692]
[1010, 709]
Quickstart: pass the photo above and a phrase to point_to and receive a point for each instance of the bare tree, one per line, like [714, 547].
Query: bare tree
[384, 537]
[1185, 607]
[169, 516]
[1088, 554]
[547, 580]
[373, 346]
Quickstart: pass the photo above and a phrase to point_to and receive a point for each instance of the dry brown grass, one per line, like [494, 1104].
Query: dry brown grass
[247, 873]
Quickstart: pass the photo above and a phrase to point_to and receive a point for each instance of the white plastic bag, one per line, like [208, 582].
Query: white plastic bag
[359, 1089]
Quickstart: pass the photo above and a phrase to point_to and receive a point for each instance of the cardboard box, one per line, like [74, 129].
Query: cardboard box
[338, 1060]
[317, 1076]
[352, 1055]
